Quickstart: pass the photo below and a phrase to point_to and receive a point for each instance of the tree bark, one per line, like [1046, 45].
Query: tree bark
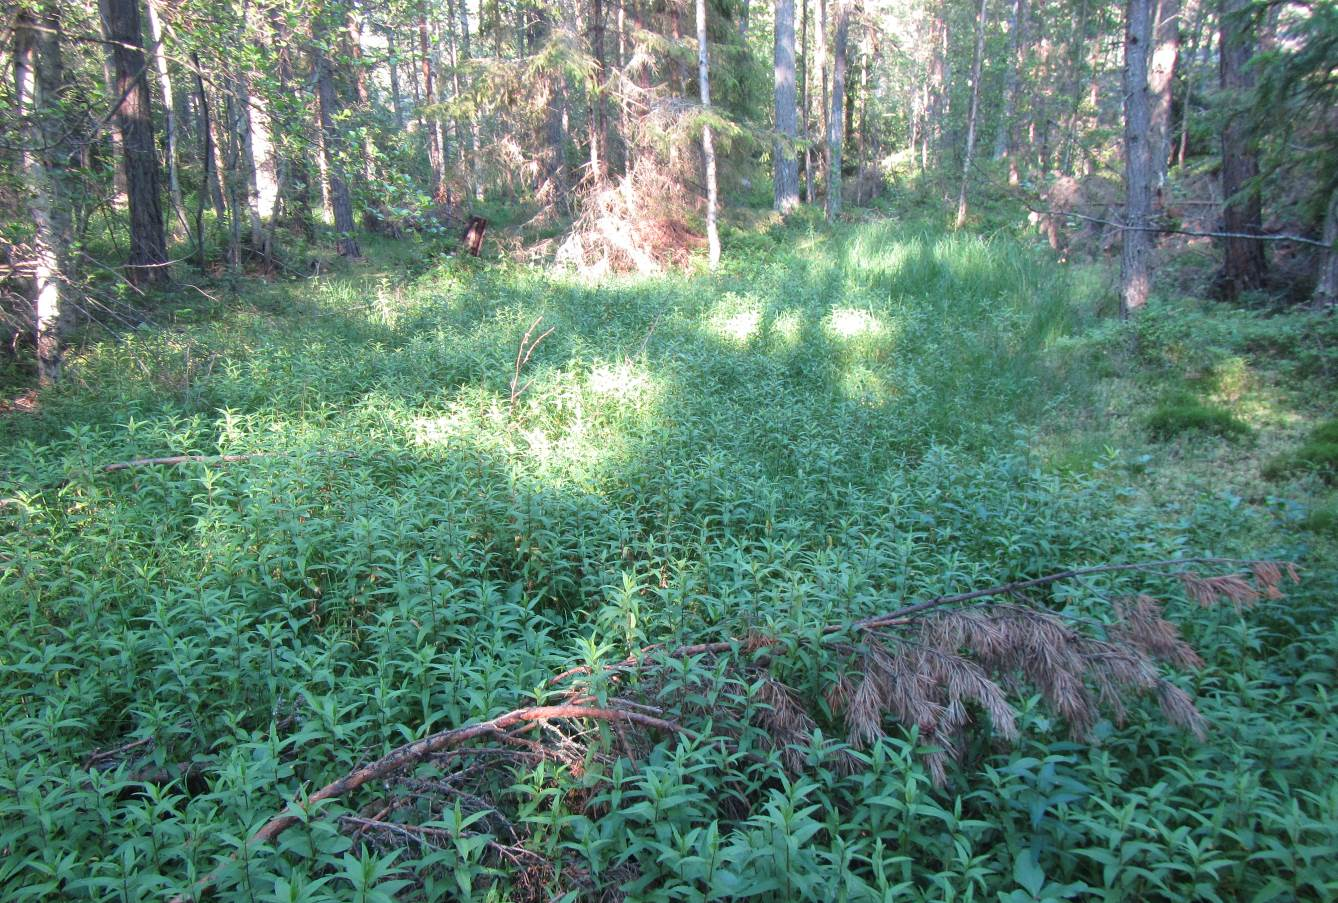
[599, 133]
[1005, 138]
[804, 66]
[835, 119]
[134, 117]
[1244, 264]
[340, 202]
[169, 116]
[973, 112]
[1160, 83]
[937, 106]
[708, 145]
[37, 78]
[1196, 39]
[1326, 291]
[1135, 261]
[435, 152]
[786, 166]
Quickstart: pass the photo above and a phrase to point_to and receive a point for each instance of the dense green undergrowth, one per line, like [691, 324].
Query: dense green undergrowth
[834, 424]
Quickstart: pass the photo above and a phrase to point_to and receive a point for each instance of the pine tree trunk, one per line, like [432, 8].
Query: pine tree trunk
[835, 119]
[937, 112]
[37, 81]
[134, 117]
[341, 203]
[971, 116]
[1160, 83]
[1244, 263]
[820, 38]
[1136, 259]
[786, 166]
[708, 145]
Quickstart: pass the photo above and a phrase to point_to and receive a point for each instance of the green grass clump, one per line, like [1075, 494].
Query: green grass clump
[1318, 454]
[1182, 412]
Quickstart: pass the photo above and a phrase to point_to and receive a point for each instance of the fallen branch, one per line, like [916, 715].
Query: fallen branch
[888, 619]
[412, 753]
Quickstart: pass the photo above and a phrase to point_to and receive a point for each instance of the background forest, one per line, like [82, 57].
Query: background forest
[597, 450]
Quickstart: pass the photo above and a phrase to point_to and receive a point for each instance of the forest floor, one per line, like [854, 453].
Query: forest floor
[427, 530]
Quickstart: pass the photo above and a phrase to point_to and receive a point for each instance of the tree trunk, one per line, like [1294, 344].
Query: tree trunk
[599, 134]
[205, 129]
[396, 101]
[1326, 291]
[37, 78]
[436, 161]
[340, 202]
[937, 105]
[803, 104]
[169, 116]
[820, 39]
[1004, 139]
[1160, 83]
[134, 118]
[1136, 259]
[971, 116]
[708, 145]
[1244, 264]
[786, 166]
[1196, 38]
[835, 121]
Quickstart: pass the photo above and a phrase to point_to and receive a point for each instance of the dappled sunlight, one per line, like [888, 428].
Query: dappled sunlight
[847, 323]
[736, 319]
[788, 326]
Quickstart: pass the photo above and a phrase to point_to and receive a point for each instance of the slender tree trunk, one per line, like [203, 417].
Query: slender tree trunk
[134, 117]
[119, 192]
[37, 78]
[821, 40]
[435, 153]
[1244, 265]
[209, 178]
[1190, 71]
[340, 201]
[1326, 291]
[1136, 259]
[292, 188]
[1069, 138]
[708, 145]
[1161, 81]
[835, 121]
[599, 133]
[803, 81]
[169, 116]
[1004, 137]
[936, 89]
[786, 166]
[396, 101]
[973, 113]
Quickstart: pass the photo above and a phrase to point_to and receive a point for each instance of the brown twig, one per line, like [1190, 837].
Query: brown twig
[523, 357]
[411, 753]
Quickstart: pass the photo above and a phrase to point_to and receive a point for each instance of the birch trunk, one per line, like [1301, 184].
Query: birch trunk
[786, 166]
[37, 77]
[708, 144]
[835, 119]
[169, 117]
[973, 112]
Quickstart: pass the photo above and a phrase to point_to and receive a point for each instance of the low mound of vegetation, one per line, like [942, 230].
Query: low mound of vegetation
[393, 520]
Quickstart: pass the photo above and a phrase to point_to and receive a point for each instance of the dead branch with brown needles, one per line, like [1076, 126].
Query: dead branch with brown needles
[938, 667]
